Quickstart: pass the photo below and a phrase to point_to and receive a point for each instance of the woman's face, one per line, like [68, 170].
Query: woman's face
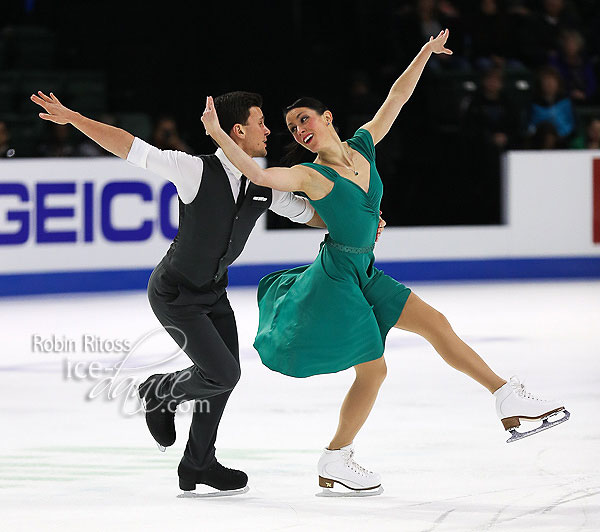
[308, 127]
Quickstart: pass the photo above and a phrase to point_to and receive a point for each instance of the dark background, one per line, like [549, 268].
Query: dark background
[164, 59]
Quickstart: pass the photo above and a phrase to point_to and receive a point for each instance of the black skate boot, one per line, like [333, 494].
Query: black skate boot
[160, 415]
[216, 476]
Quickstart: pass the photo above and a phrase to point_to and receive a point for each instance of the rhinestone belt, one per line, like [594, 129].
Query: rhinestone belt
[348, 249]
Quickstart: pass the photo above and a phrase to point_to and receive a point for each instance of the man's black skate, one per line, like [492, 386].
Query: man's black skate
[160, 415]
[216, 476]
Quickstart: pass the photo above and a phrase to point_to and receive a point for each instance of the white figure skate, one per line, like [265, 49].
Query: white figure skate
[514, 404]
[339, 467]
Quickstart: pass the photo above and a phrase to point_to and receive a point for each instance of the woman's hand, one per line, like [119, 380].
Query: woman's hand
[55, 111]
[210, 118]
[437, 45]
[380, 227]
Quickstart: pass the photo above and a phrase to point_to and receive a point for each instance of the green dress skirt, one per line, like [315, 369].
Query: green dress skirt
[336, 312]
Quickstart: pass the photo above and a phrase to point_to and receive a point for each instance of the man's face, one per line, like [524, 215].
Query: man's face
[254, 141]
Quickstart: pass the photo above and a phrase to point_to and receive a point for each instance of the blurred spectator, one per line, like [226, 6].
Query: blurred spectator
[6, 151]
[551, 104]
[576, 69]
[166, 137]
[489, 126]
[58, 142]
[490, 118]
[535, 35]
[490, 35]
[524, 36]
[545, 138]
[556, 16]
[427, 18]
[591, 139]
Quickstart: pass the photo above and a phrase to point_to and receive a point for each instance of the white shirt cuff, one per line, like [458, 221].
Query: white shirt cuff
[138, 154]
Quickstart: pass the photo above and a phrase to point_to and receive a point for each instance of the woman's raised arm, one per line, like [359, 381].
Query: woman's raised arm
[404, 86]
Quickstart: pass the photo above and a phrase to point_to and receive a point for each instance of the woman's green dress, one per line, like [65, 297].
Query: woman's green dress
[336, 312]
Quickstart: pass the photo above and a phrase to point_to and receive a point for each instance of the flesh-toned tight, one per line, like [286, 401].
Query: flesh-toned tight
[422, 319]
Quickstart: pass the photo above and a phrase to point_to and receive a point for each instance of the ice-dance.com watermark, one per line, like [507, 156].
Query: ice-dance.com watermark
[118, 379]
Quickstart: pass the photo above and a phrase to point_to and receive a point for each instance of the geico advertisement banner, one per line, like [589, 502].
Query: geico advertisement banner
[83, 214]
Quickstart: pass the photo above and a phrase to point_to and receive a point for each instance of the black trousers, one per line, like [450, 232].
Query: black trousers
[203, 325]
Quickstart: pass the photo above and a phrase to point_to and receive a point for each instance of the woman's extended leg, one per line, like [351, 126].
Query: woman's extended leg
[421, 318]
[359, 401]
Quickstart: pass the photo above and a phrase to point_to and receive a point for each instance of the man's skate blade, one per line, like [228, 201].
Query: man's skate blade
[516, 436]
[212, 494]
[161, 448]
[330, 492]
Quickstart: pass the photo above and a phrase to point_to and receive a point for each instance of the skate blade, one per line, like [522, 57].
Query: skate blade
[516, 435]
[212, 494]
[161, 448]
[329, 492]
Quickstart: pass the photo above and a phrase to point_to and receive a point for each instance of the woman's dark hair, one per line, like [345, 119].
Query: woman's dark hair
[294, 152]
[234, 108]
[306, 101]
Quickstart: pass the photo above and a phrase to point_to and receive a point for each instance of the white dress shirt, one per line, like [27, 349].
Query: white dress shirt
[185, 172]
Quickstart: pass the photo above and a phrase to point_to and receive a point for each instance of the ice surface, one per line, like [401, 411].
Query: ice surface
[71, 463]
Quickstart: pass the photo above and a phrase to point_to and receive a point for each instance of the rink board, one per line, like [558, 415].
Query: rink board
[102, 224]
[250, 275]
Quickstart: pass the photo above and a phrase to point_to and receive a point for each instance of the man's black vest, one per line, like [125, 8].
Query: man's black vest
[212, 231]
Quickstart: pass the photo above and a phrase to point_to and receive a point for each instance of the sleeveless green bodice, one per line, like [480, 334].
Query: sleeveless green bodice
[336, 312]
[351, 214]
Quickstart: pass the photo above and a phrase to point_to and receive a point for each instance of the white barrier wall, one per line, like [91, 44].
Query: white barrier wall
[90, 215]
[83, 214]
[549, 212]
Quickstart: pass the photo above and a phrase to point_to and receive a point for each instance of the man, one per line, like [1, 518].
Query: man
[218, 208]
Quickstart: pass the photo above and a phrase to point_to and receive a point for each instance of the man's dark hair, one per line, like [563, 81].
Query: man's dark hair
[234, 108]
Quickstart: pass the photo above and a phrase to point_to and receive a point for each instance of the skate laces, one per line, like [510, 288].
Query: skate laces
[357, 468]
[520, 390]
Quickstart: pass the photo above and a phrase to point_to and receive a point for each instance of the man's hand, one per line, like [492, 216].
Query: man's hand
[437, 45]
[210, 118]
[112, 139]
[380, 227]
[55, 111]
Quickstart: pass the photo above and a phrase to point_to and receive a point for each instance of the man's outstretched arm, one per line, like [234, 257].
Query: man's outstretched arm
[182, 169]
[112, 139]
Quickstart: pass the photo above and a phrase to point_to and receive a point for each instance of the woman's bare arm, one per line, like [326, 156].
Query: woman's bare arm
[404, 86]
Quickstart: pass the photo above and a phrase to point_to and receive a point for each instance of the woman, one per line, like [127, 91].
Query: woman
[336, 312]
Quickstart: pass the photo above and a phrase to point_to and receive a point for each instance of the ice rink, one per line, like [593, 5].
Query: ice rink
[76, 456]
